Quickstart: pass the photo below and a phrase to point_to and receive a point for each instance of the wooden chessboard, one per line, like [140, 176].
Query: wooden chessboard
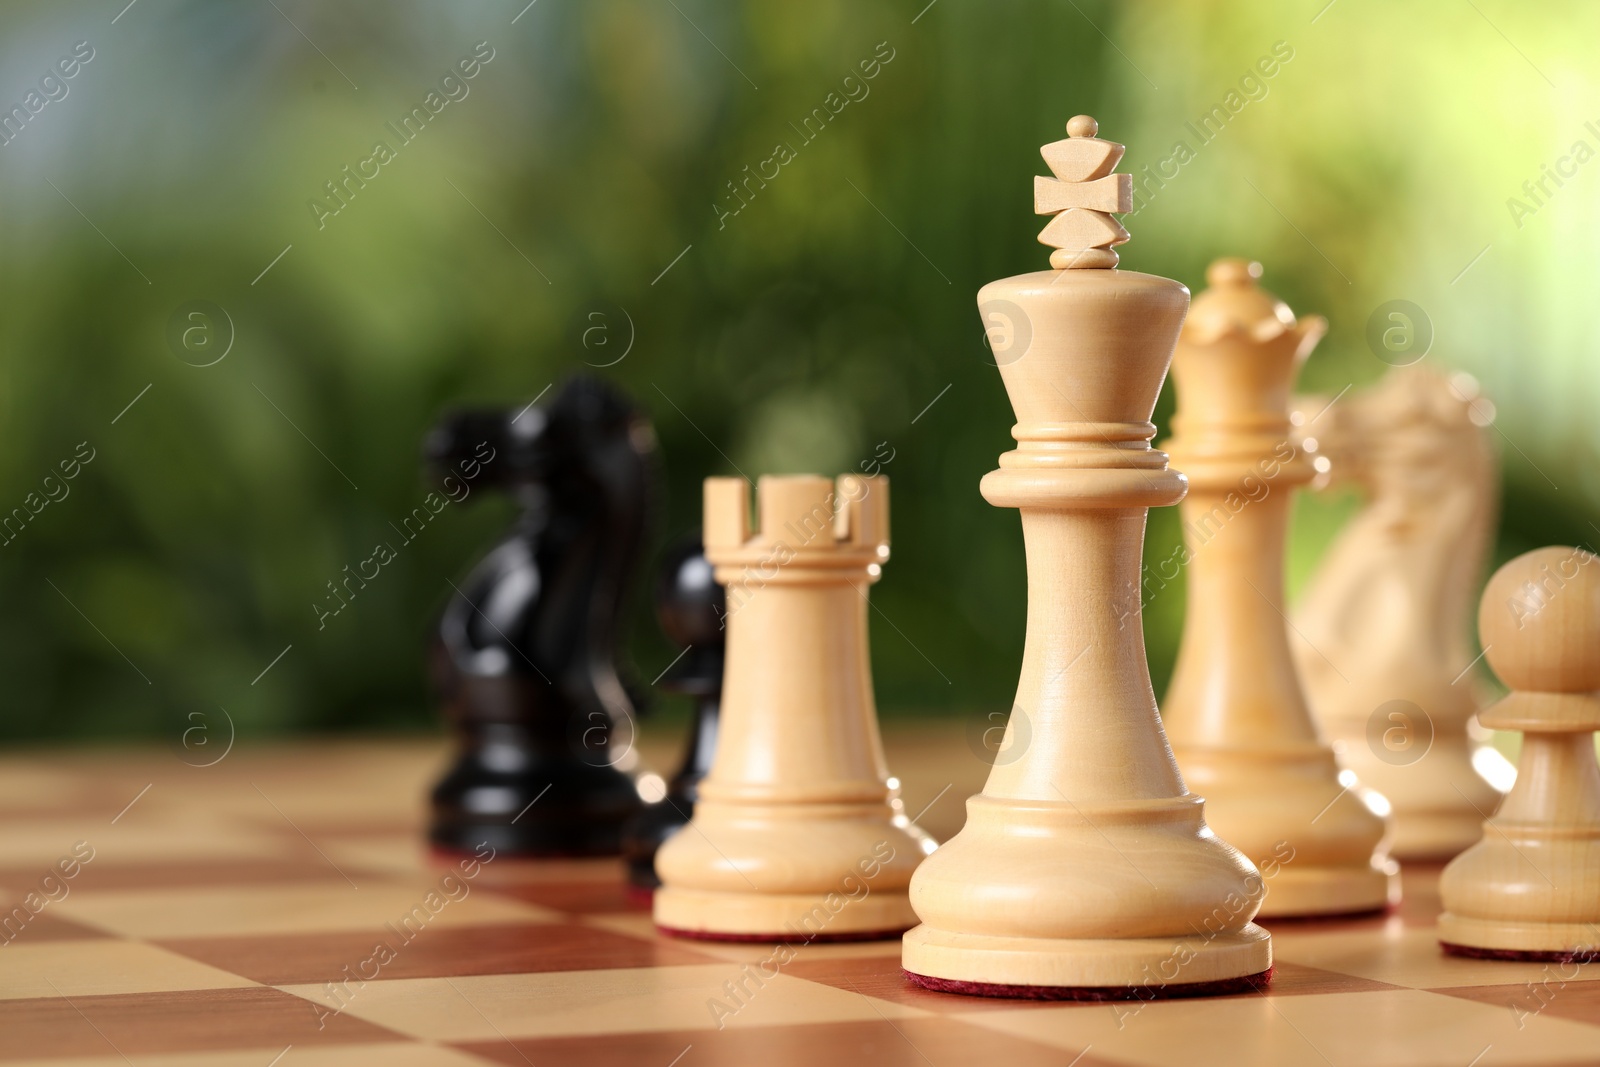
[221, 903]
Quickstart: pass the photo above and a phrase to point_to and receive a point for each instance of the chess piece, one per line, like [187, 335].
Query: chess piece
[794, 835]
[527, 660]
[1391, 602]
[1081, 197]
[1530, 888]
[689, 607]
[1085, 868]
[1235, 711]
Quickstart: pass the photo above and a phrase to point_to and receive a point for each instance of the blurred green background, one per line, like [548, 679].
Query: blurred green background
[586, 171]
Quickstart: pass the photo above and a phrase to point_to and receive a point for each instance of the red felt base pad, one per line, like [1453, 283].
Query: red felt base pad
[1587, 955]
[783, 936]
[1250, 983]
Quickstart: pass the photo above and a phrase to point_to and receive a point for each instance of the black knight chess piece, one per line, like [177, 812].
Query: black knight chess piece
[689, 606]
[526, 657]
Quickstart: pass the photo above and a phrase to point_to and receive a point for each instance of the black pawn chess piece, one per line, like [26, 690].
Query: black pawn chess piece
[689, 606]
[526, 653]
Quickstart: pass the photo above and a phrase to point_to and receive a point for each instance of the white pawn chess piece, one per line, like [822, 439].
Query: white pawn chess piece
[1530, 888]
[1235, 711]
[797, 834]
[1085, 866]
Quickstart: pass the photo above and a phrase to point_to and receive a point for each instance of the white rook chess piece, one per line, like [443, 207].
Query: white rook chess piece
[1085, 867]
[1530, 889]
[1235, 711]
[797, 834]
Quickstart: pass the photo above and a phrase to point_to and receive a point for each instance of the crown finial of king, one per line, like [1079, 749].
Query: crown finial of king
[1082, 197]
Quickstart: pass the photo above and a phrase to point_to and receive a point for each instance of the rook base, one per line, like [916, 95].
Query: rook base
[708, 915]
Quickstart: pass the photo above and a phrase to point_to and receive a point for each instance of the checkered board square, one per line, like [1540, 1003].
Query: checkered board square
[279, 909]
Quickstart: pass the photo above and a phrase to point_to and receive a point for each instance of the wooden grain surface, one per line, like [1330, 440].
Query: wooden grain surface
[220, 906]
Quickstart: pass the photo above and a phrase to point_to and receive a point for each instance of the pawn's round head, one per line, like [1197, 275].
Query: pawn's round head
[689, 602]
[1539, 621]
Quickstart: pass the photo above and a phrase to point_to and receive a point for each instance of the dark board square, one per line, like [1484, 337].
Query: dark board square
[879, 1042]
[449, 951]
[1576, 998]
[191, 1020]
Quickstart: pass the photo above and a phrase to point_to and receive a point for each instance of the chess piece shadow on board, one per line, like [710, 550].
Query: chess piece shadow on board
[1085, 870]
[1383, 631]
[526, 655]
[690, 606]
[1530, 888]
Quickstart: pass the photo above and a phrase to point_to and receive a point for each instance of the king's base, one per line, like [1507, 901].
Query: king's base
[1501, 939]
[785, 936]
[1310, 892]
[881, 913]
[1122, 968]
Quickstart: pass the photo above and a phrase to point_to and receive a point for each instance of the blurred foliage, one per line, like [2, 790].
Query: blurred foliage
[587, 170]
